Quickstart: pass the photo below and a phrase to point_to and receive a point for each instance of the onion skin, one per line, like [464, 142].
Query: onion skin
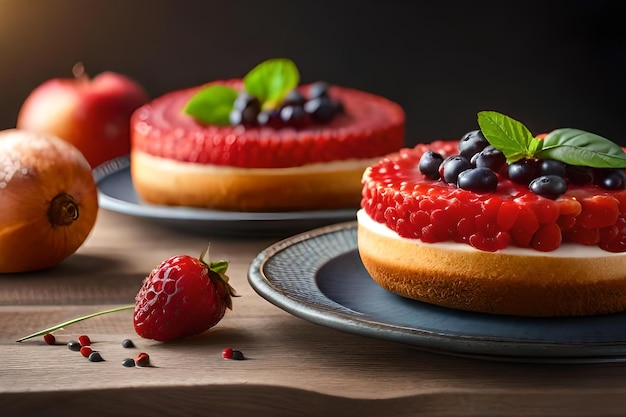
[48, 200]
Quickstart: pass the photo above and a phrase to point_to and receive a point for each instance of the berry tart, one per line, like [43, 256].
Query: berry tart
[261, 143]
[500, 222]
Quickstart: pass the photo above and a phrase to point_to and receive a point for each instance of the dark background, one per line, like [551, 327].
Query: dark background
[548, 64]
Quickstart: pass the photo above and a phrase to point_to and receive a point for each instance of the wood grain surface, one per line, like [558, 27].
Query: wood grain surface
[293, 367]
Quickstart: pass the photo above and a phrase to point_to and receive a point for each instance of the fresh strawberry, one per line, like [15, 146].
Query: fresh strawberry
[182, 296]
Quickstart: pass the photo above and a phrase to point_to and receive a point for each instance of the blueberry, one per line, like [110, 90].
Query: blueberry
[293, 116]
[489, 157]
[247, 117]
[321, 109]
[245, 110]
[452, 166]
[429, 164]
[471, 143]
[552, 167]
[478, 180]
[549, 186]
[610, 179]
[245, 100]
[269, 118]
[524, 171]
[579, 175]
[294, 98]
[318, 89]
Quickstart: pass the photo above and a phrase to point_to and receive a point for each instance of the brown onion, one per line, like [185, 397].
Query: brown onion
[48, 200]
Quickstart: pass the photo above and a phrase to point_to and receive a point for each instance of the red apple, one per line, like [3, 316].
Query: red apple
[92, 114]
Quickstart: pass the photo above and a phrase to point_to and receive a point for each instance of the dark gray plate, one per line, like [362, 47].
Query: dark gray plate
[116, 193]
[318, 276]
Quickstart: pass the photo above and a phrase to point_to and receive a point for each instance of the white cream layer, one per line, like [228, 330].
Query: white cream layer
[566, 250]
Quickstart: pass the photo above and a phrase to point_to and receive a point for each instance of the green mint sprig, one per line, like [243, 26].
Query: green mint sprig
[269, 81]
[570, 146]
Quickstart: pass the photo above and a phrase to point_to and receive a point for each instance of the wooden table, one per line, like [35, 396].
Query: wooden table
[293, 368]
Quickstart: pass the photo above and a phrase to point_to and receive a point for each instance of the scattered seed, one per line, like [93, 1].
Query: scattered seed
[230, 353]
[74, 345]
[84, 340]
[86, 351]
[49, 338]
[143, 359]
[95, 357]
[128, 362]
[238, 355]
[127, 343]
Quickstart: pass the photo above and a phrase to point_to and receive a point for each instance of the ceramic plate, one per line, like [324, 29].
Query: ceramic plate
[318, 276]
[116, 193]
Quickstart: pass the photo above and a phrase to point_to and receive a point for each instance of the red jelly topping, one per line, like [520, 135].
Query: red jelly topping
[398, 195]
[370, 126]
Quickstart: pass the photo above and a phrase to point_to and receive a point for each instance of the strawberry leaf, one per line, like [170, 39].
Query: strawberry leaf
[577, 147]
[271, 80]
[508, 135]
[212, 104]
[219, 267]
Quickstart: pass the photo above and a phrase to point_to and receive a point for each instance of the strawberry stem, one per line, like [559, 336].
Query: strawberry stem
[76, 320]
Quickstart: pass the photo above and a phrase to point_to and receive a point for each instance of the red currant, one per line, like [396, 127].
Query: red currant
[49, 338]
[84, 340]
[86, 351]
[227, 353]
[143, 359]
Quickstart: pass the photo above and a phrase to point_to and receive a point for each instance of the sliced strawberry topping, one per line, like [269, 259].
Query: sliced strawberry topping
[524, 227]
[598, 211]
[547, 238]
[397, 194]
[371, 126]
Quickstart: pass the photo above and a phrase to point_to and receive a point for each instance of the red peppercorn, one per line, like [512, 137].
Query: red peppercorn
[86, 351]
[49, 338]
[84, 340]
[227, 353]
[230, 353]
[143, 359]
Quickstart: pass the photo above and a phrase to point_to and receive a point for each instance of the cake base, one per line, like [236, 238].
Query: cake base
[316, 187]
[538, 285]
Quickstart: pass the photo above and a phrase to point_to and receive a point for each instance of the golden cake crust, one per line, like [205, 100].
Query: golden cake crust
[166, 182]
[494, 282]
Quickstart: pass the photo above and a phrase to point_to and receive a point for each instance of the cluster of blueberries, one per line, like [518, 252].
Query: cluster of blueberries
[477, 164]
[296, 110]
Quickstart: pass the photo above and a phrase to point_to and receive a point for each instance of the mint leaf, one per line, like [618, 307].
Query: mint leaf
[271, 80]
[577, 147]
[212, 104]
[508, 135]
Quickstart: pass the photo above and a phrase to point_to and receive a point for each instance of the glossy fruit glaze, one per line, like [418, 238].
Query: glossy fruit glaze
[370, 126]
[398, 195]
